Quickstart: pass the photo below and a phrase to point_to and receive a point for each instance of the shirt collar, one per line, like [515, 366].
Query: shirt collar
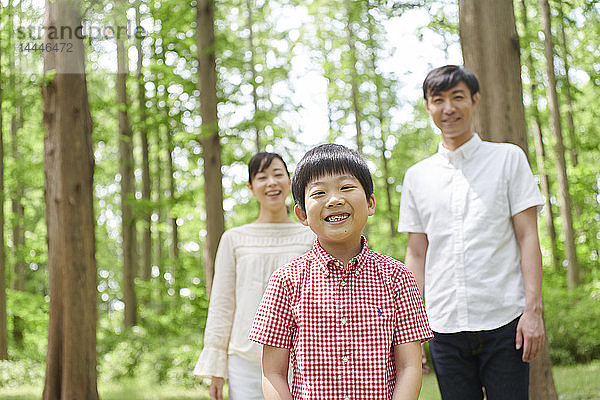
[329, 263]
[466, 150]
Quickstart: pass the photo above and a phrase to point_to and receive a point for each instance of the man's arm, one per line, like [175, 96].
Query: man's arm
[407, 357]
[275, 362]
[416, 250]
[530, 330]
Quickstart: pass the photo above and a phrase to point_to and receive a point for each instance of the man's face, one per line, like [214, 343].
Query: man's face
[336, 209]
[452, 112]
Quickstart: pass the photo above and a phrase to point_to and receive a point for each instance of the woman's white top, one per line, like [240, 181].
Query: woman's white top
[246, 258]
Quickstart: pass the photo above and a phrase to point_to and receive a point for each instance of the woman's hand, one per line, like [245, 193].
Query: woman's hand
[215, 390]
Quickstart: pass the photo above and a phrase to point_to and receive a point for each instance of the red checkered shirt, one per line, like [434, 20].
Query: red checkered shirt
[341, 323]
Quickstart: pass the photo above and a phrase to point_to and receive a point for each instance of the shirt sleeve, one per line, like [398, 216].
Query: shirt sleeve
[221, 308]
[523, 191]
[411, 319]
[408, 218]
[274, 323]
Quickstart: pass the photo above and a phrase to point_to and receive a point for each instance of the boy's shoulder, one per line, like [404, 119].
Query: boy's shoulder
[389, 267]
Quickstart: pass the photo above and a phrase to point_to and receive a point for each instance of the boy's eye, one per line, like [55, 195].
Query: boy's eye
[346, 187]
[317, 193]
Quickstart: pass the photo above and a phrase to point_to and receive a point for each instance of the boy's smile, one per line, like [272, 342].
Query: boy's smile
[337, 210]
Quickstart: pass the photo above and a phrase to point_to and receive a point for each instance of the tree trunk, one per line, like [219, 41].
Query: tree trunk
[491, 50]
[490, 45]
[541, 381]
[383, 128]
[16, 192]
[251, 48]
[564, 196]
[3, 316]
[540, 152]
[567, 86]
[147, 237]
[209, 138]
[127, 189]
[68, 163]
[172, 218]
[353, 76]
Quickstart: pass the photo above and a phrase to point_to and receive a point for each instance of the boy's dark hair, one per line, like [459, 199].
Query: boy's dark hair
[327, 159]
[260, 162]
[446, 77]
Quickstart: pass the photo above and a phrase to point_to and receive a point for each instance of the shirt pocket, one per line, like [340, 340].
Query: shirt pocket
[376, 325]
[488, 198]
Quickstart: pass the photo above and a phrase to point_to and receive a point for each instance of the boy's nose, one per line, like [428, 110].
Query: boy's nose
[335, 201]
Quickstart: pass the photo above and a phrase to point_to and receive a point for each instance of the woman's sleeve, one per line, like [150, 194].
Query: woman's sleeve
[221, 308]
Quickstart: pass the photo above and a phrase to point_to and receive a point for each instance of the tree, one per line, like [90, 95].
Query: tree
[127, 189]
[209, 138]
[490, 46]
[3, 320]
[68, 162]
[147, 235]
[559, 149]
[16, 191]
[540, 151]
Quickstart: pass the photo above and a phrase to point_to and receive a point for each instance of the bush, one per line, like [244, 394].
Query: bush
[573, 324]
[21, 372]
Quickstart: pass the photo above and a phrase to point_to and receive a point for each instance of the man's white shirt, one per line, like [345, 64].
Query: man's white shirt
[464, 201]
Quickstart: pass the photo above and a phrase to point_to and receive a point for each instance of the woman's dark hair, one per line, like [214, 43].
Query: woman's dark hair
[327, 159]
[446, 77]
[260, 162]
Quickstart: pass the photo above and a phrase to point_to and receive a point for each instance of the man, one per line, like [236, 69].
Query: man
[470, 212]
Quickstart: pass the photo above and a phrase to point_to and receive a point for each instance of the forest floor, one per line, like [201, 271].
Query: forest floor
[577, 382]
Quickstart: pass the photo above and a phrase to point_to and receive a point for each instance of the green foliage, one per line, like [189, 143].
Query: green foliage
[573, 323]
[32, 311]
[16, 373]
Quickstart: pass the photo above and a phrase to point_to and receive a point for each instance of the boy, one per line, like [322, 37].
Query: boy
[470, 214]
[351, 320]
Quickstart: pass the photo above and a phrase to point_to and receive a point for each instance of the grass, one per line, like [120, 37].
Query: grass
[577, 382]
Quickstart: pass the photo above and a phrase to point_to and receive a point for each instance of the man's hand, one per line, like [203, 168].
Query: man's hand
[530, 334]
[215, 390]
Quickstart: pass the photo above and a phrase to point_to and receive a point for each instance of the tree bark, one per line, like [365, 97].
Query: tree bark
[209, 138]
[146, 190]
[491, 50]
[16, 191]
[567, 86]
[540, 151]
[3, 315]
[172, 218]
[490, 45]
[563, 183]
[68, 164]
[127, 189]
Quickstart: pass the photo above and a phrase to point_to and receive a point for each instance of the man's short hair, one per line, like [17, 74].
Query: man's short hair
[446, 77]
[328, 159]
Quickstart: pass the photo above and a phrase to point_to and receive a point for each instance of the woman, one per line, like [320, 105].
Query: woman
[246, 258]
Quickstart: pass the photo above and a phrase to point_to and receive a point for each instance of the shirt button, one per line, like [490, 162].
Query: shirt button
[346, 397]
[344, 321]
[345, 359]
[343, 283]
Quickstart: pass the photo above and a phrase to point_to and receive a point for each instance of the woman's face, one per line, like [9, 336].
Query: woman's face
[271, 186]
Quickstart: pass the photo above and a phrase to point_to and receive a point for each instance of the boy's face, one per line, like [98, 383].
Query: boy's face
[452, 112]
[337, 210]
